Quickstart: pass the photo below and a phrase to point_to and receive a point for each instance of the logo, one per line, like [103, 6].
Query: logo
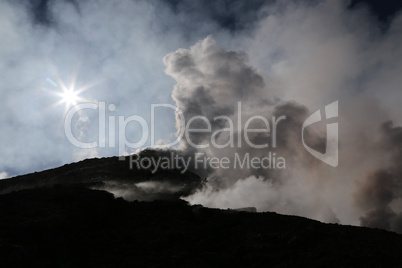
[112, 134]
[331, 154]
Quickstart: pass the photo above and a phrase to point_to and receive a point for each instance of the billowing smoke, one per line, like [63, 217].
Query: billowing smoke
[304, 58]
[380, 193]
[221, 87]
[210, 82]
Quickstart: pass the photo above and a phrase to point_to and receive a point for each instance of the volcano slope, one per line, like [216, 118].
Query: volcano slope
[57, 218]
[115, 175]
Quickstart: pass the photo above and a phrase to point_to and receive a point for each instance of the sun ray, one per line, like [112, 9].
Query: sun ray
[69, 93]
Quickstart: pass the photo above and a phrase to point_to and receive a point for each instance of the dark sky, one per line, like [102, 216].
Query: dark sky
[382, 9]
[233, 15]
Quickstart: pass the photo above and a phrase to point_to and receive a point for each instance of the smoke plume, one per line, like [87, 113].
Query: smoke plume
[299, 59]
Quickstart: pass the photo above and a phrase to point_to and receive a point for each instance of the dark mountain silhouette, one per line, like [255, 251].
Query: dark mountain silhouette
[55, 218]
[114, 174]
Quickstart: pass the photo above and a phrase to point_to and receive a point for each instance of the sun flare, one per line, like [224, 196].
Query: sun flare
[70, 97]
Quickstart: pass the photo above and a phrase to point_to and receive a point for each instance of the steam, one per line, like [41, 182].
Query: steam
[210, 83]
[143, 191]
[304, 57]
[3, 175]
[380, 193]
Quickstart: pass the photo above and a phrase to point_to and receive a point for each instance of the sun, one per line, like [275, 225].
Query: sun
[70, 97]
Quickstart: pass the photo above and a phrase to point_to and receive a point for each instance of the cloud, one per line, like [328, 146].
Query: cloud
[117, 57]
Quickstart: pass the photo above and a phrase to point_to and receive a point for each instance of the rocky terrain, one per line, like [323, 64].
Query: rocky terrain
[57, 218]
